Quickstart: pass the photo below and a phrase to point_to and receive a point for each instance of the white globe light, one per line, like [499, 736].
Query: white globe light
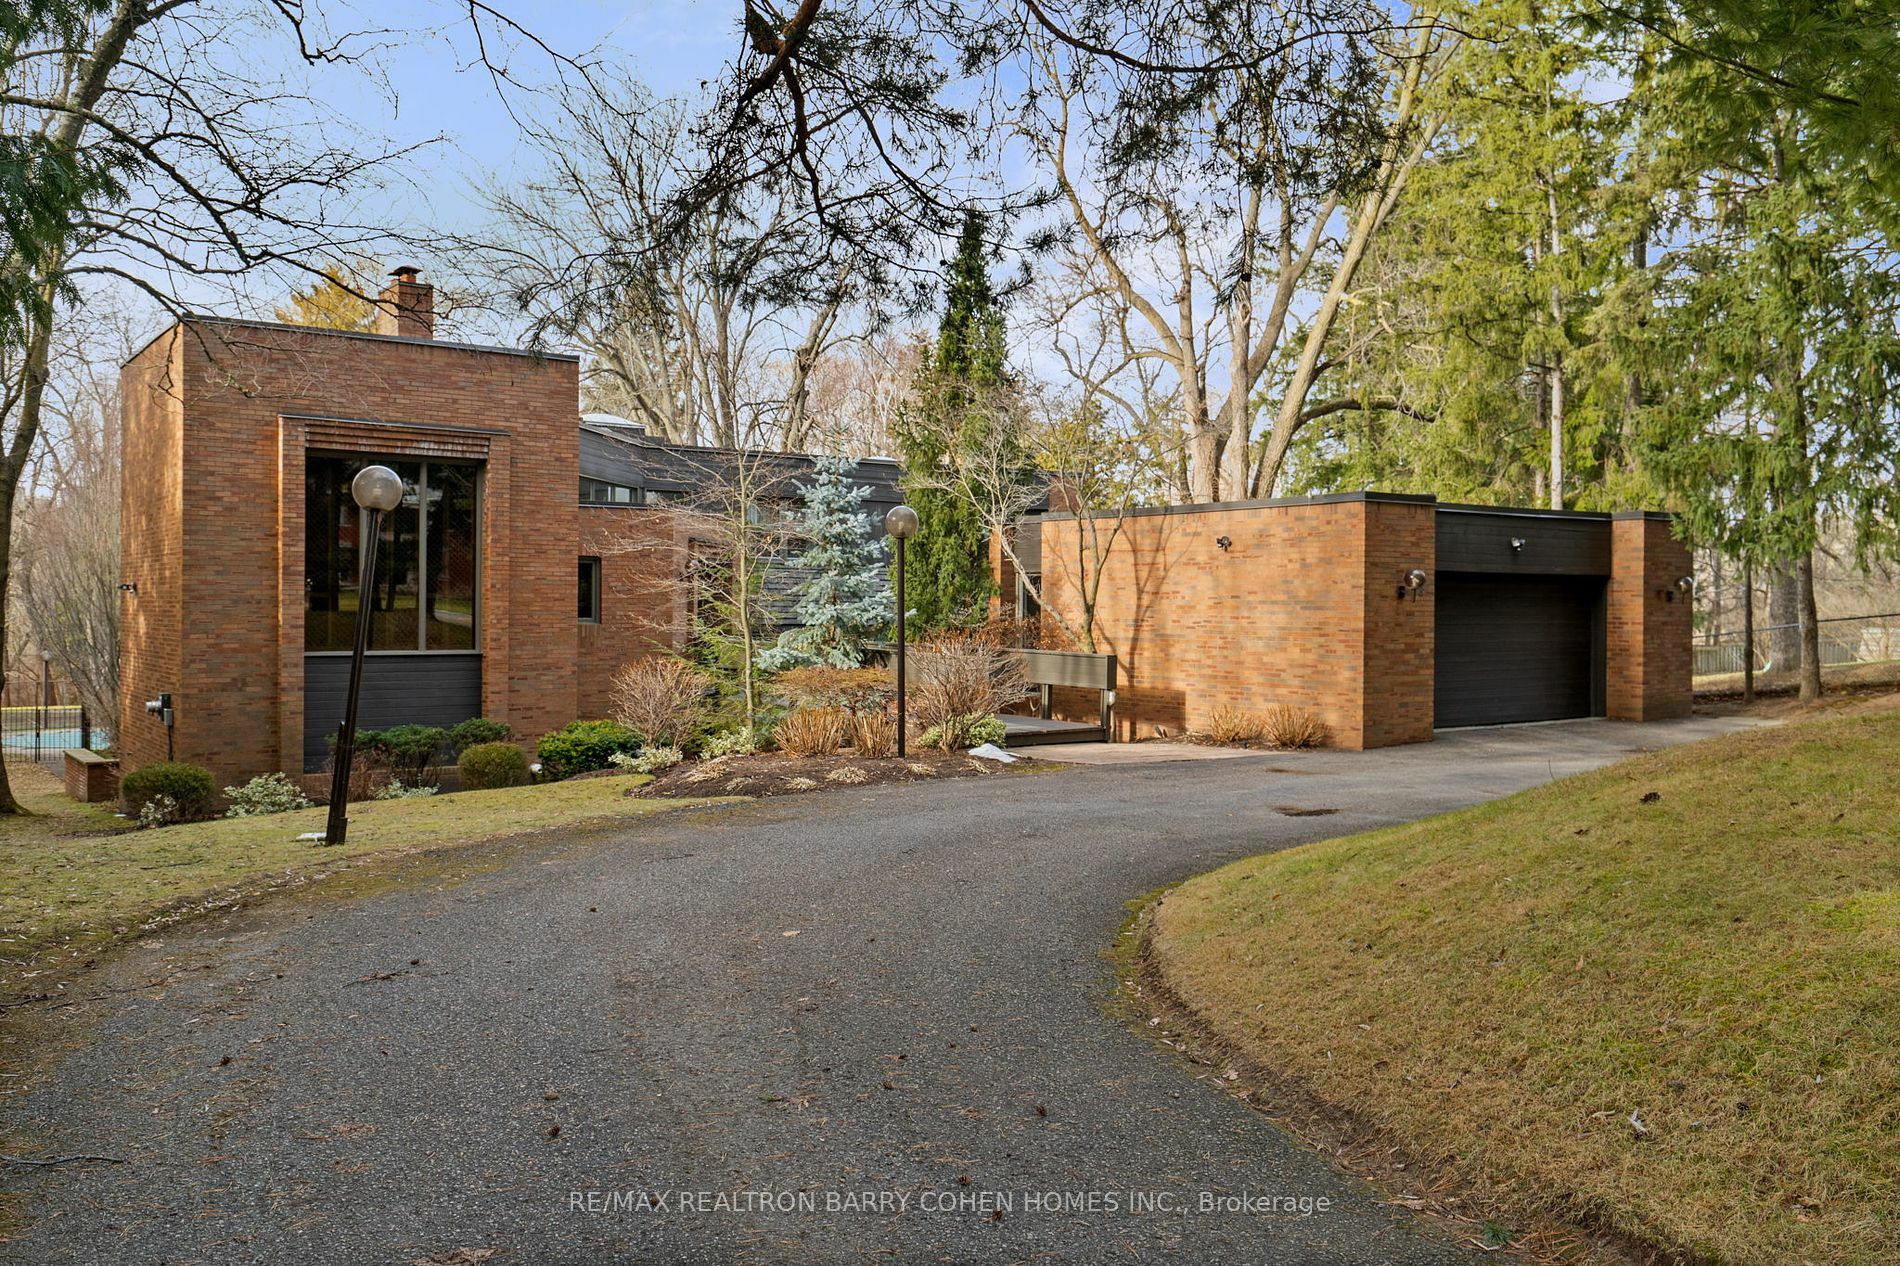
[377, 488]
[901, 522]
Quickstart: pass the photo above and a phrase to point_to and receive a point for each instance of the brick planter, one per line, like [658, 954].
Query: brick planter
[90, 777]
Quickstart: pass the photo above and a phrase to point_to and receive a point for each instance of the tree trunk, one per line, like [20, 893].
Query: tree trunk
[1810, 629]
[1557, 431]
[1556, 357]
[1784, 619]
[33, 376]
[8, 486]
[1748, 633]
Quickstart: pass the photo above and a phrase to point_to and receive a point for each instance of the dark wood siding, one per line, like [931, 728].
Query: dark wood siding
[1553, 545]
[1518, 648]
[397, 690]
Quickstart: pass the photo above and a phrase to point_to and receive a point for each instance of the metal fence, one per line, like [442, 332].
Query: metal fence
[39, 735]
[1845, 640]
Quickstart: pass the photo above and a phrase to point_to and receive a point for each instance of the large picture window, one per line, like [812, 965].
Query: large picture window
[426, 576]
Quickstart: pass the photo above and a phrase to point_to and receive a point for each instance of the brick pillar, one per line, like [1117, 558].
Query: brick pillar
[1400, 647]
[1649, 621]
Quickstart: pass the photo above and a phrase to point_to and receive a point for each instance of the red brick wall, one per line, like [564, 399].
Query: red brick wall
[1301, 609]
[222, 562]
[1400, 644]
[151, 528]
[644, 593]
[1650, 627]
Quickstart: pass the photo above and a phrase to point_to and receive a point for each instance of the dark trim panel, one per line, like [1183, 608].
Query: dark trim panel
[1521, 544]
[402, 689]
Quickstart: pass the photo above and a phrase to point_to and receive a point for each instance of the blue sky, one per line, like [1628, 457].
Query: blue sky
[436, 87]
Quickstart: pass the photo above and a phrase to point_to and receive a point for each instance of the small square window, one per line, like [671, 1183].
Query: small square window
[590, 591]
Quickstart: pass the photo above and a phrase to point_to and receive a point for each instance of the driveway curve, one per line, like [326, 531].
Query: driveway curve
[860, 1026]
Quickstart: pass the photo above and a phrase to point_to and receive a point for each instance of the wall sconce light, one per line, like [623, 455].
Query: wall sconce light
[130, 586]
[1517, 545]
[1412, 582]
[1224, 542]
[1685, 585]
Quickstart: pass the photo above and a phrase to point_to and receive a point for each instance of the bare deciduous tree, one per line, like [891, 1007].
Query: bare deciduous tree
[66, 534]
[705, 559]
[708, 333]
[1200, 251]
[215, 172]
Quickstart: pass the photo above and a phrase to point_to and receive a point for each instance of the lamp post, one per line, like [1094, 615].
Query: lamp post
[378, 490]
[901, 522]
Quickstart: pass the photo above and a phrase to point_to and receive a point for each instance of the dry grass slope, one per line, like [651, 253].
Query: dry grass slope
[1707, 939]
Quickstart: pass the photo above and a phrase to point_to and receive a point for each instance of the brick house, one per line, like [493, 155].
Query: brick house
[532, 558]
[1385, 615]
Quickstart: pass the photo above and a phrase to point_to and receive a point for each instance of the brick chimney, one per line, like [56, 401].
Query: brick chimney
[407, 305]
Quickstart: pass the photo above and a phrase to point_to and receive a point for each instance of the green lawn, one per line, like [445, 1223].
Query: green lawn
[1708, 938]
[73, 875]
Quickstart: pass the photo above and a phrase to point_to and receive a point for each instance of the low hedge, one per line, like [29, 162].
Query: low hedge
[190, 787]
[582, 746]
[486, 766]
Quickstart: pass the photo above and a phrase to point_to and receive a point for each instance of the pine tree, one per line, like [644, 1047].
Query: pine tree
[947, 564]
[845, 598]
[1477, 364]
[335, 301]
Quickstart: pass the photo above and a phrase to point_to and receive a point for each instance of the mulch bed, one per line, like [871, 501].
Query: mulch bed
[776, 774]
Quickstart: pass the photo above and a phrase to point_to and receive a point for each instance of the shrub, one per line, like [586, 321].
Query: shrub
[874, 734]
[986, 730]
[959, 676]
[1287, 726]
[663, 700]
[407, 751]
[739, 742]
[582, 746]
[489, 765]
[812, 731]
[264, 795]
[651, 760]
[189, 787]
[396, 789]
[964, 732]
[856, 690]
[160, 810]
[478, 730]
[1229, 725]
[1031, 633]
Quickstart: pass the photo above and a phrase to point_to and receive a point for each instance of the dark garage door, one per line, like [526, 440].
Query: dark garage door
[1518, 648]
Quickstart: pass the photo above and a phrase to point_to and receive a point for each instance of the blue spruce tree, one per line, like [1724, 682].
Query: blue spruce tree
[846, 597]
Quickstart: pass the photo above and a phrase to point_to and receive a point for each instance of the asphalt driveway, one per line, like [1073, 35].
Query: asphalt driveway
[859, 1026]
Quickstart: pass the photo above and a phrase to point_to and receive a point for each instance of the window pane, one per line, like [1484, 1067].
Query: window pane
[333, 538]
[599, 492]
[452, 575]
[394, 614]
[590, 589]
[330, 554]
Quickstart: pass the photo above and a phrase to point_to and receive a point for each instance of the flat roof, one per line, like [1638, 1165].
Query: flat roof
[1335, 498]
[198, 318]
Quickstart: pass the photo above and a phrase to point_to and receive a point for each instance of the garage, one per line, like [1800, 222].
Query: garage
[1517, 648]
[1519, 617]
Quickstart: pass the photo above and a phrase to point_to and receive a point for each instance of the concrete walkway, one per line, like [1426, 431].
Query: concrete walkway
[1159, 751]
[863, 1026]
